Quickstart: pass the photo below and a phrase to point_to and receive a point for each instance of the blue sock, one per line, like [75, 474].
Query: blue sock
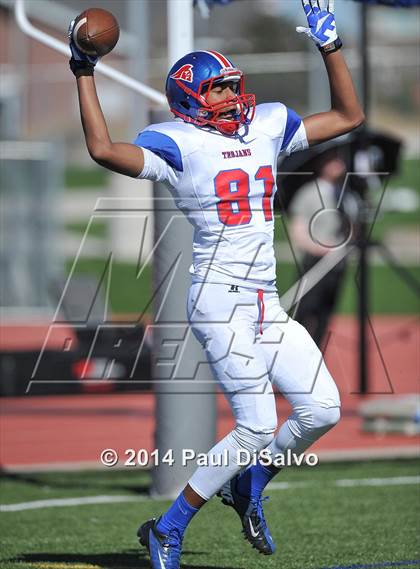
[252, 481]
[178, 516]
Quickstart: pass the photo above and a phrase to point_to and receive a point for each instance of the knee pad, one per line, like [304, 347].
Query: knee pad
[312, 421]
[326, 417]
[244, 438]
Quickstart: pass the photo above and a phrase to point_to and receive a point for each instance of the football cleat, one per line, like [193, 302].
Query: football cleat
[251, 514]
[164, 550]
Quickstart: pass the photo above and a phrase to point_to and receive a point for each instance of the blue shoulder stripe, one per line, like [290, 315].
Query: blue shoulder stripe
[292, 125]
[163, 146]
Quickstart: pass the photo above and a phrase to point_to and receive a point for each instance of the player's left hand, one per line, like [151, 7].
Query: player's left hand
[321, 21]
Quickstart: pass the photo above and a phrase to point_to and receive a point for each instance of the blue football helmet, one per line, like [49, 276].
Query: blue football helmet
[192, 78]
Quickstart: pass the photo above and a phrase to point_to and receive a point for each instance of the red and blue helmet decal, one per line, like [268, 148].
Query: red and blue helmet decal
[187, 81]
[184, 73]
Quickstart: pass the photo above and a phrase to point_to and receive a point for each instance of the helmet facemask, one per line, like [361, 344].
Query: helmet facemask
[228, 115]
[241, 105]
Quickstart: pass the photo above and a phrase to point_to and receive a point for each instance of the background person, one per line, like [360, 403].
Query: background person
[320, 212]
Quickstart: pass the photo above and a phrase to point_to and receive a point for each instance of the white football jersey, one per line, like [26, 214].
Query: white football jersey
[225, 186]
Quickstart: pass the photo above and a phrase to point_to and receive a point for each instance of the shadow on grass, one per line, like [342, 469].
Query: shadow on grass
[100, 484]
[132, 559]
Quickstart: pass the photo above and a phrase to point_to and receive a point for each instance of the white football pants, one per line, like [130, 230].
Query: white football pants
[251, 344]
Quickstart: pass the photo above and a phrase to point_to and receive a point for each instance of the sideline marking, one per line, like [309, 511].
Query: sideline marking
[64, 502]
[397, 481]
[59, 565]
[116, 499]
[350, 482]
[377, 565]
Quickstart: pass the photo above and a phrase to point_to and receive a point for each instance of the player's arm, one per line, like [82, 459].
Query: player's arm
[119, 157]
[346, 112]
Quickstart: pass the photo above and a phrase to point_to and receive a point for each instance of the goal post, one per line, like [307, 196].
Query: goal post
[30, 30]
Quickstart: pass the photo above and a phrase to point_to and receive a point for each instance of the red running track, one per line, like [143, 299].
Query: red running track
[71, 431]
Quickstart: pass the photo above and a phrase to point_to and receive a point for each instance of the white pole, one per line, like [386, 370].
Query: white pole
[30, 30]
[180, 29]
[185, 410]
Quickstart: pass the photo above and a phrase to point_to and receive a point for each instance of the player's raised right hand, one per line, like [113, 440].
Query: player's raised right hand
[80, 63]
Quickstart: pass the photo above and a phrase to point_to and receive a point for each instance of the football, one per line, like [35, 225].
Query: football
[96, 32]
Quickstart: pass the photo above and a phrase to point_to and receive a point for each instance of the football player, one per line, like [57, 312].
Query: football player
[219, 158]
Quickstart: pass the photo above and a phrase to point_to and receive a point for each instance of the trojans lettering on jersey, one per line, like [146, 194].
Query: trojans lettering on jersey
[225, 186]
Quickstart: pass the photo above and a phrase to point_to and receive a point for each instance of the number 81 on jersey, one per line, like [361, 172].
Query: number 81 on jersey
[232, 187]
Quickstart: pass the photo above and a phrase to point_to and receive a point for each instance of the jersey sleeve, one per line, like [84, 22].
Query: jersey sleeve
[162, 157]
[283, 125]
[294, 134]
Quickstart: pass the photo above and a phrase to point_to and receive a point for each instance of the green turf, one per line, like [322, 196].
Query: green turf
[316, 526]
[394, 221]
[408, 176]
[80, 178]
[130, 291]
[96, 228]
[388, 293]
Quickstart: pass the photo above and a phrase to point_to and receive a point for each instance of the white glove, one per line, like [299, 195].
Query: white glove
[322, 27]
[76, 53]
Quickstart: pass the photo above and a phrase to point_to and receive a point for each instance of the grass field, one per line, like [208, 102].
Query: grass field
[319, 521]
[388, 293]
